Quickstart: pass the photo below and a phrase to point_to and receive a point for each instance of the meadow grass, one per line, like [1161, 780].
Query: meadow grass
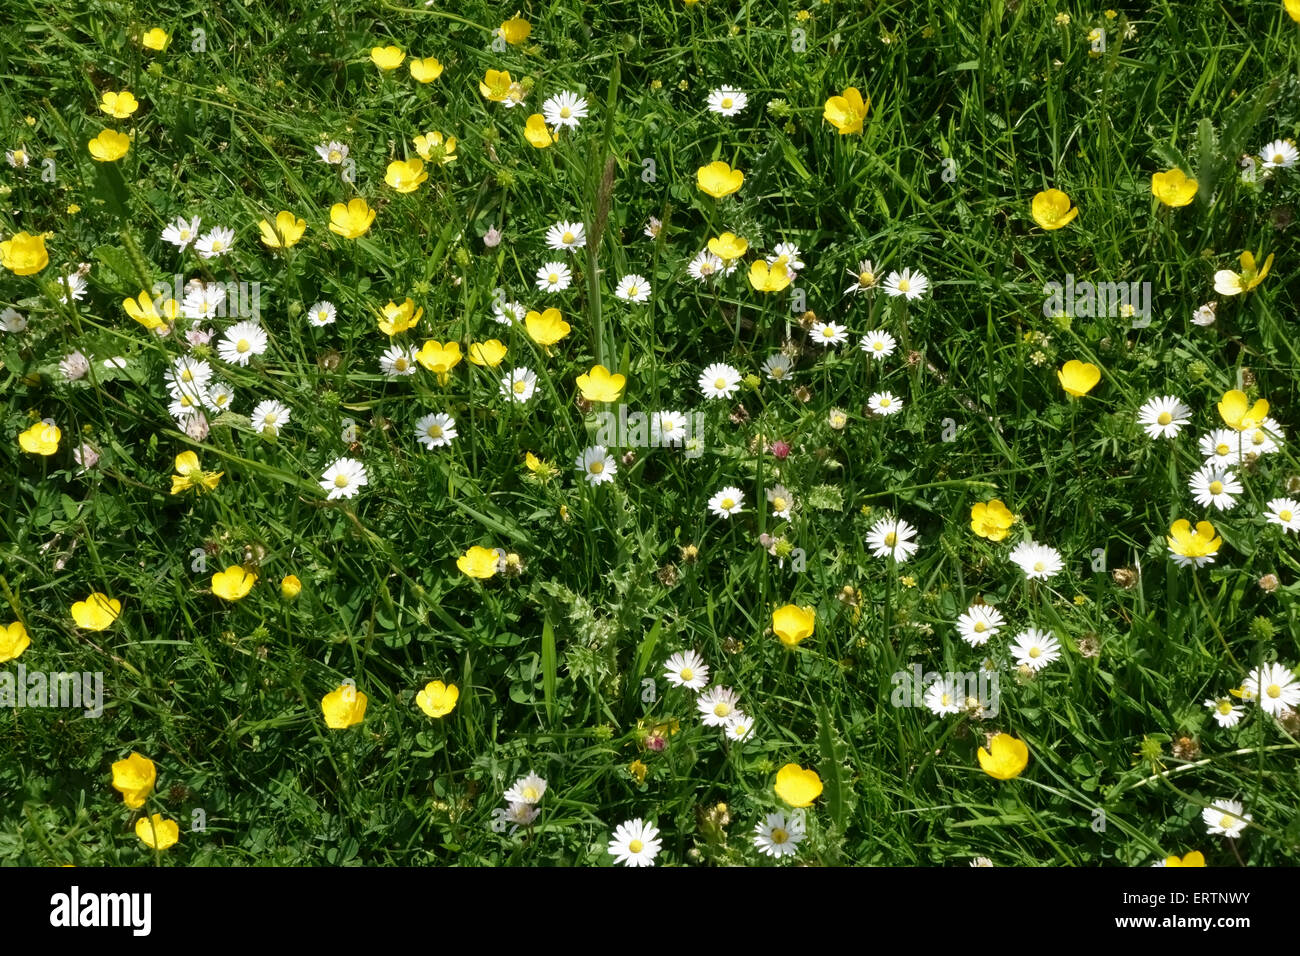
[975, 108]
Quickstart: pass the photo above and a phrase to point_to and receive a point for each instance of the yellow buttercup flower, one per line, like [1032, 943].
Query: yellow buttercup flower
[1238, 413]
[1227, 282]
[439, 359]
[13, 641]
[387, 57]
[134, 778]
[535, 131]
[155, 39]
[437, 699]
[290, 587]
[343, 707]
[398, 318]
[1173, 188]
[286, 232]
[426, 70]
[638, 769]
[109, 146]
[1196, 857]
[846, 111]
[190, 474]
[1051, 209]
[515, 30]
[157, 833]
[233, 584]
[40, 439]
[406, 175]
[478, 562]
[991, 519]
[793, 624]
[728, 246]
[24, 254]
[718, 179]
[353, 220]
[1006, 757]
[767, 278]
[97, 612]
[546, 328]
[436, 148]
[119, 105]
[496, 85]
[599, 385]
[796, 786]
[143, 310]
[1292, 9]
[489, 353]
[1202, 543]
[1078, 378]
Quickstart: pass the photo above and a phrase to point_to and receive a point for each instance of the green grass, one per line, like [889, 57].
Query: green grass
[225, 697]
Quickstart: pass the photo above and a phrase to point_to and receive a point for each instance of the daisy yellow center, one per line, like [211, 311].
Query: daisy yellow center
[980, 627]
[632, 290]
[1221, 449]
[1284, 514]
[552, 278]
[565, 112]
[1226, 822]
[945, 700]
[335, 156]
[322, 315]
[185, 234]
[400, 365]
[1035, 652]
[727, 101]
[217, 245]
[520, 387]
[269, 418]
[596, 467]
[878, 346]
[687, 674]
[187, 376]
[1038, 566]
[435, 431]
[719, 383]
[865, 279]
[1216, 487]
[891, 538]
[727, 503]
[1225, 707]
[1274, 691]
[904, 285]
[1165, 418]
[567, 237]
[828, 332]
[721, 709]
[778, 372]
[1279, 158]
[1258, 438]
[779, 836]
[340, 481]
[242, 345]
[636, 846]
[779, 503]
[530, 794]
[885, 402]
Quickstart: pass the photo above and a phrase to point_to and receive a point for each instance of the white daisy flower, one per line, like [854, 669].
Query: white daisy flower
[633, 288]
[597, 465]
[564, 109]
[1035, 649]
[220, 397]
[668, 428]
[554, 277]
[864, 278]
[322, 314]
[1213, 486]
[1264, 440]
[878, 344]
[909, 284]
[786, 254]
[716, 705]
[566, 236]
[1279, 154]
[776, 836]
[519, 385]
[1226, 712]
[73, 285]
[215, 242]
[509, 313]
[332, 152]
[269, 417]
[828, 333]
[204, 301]
[1274, 687]
[241, 342]
[719, 381]
[18, 158]
[186, 402]
[529, 790]
[739, 726]
[727, 502]
[74, 366]
[185, 372]
[398, 360]
[944, 697]
[979, 623]
[687, 669]
[514, 815]
[1285, 513]
[11, 320]
[1163, 417]
[727, 101]
[1225, 816]
[704, 266]
[1223, 446]
[344, 478]
[635, 843]
[885, 403]
[777, 366]
[781, 500]
[1038, 561]
[435, 430]
[653, 227]
[1204, 315]
[892, 536]
[181, 232]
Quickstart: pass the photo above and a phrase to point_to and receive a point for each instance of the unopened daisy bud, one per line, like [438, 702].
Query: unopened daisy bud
[1293, 485]
[849, 595]
[196, 426]
[1024, 673]
[492, 238]
[837, 419]
[1268, 583]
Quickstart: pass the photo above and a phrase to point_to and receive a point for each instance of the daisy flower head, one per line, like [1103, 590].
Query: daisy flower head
[885, 403]
[633, 288]
[1204, 315]
[705, 266]
[716, 705]
[514, 815]
[241, 342]
[519, 385]
[727, 101]
[781, 500]
[892, 537]
[554, 277]
[509, 313]
[333, 152]
[11, 320]
[864, 278]
[727, 502]
[1035, 649]
[776, 836]
[269, 417]
[181, 233]
[786, 254]
[1163, 417]
[215, 242]
[827, 334]
[322, 314]
[187, 401]
[1226, 712]
[1223, 446]
[344, 478]
[908, 284]
[668, 428]
[979, 623]
[1274, 687]
[879, 344]
[566, 236]
[635, 843]
[1285, 513]
[719, 381]
[203, 301]
[435, 430]
[1279, 154]
[220, 397]
[1225, 816]
[1214, 486]
[1264, 439]
[529, 790]
[564, 109]
[944, 697]
[739, 727]
[186, 372]
[597, 465]
[1037, 561]
[398, 360]
[687, 669]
